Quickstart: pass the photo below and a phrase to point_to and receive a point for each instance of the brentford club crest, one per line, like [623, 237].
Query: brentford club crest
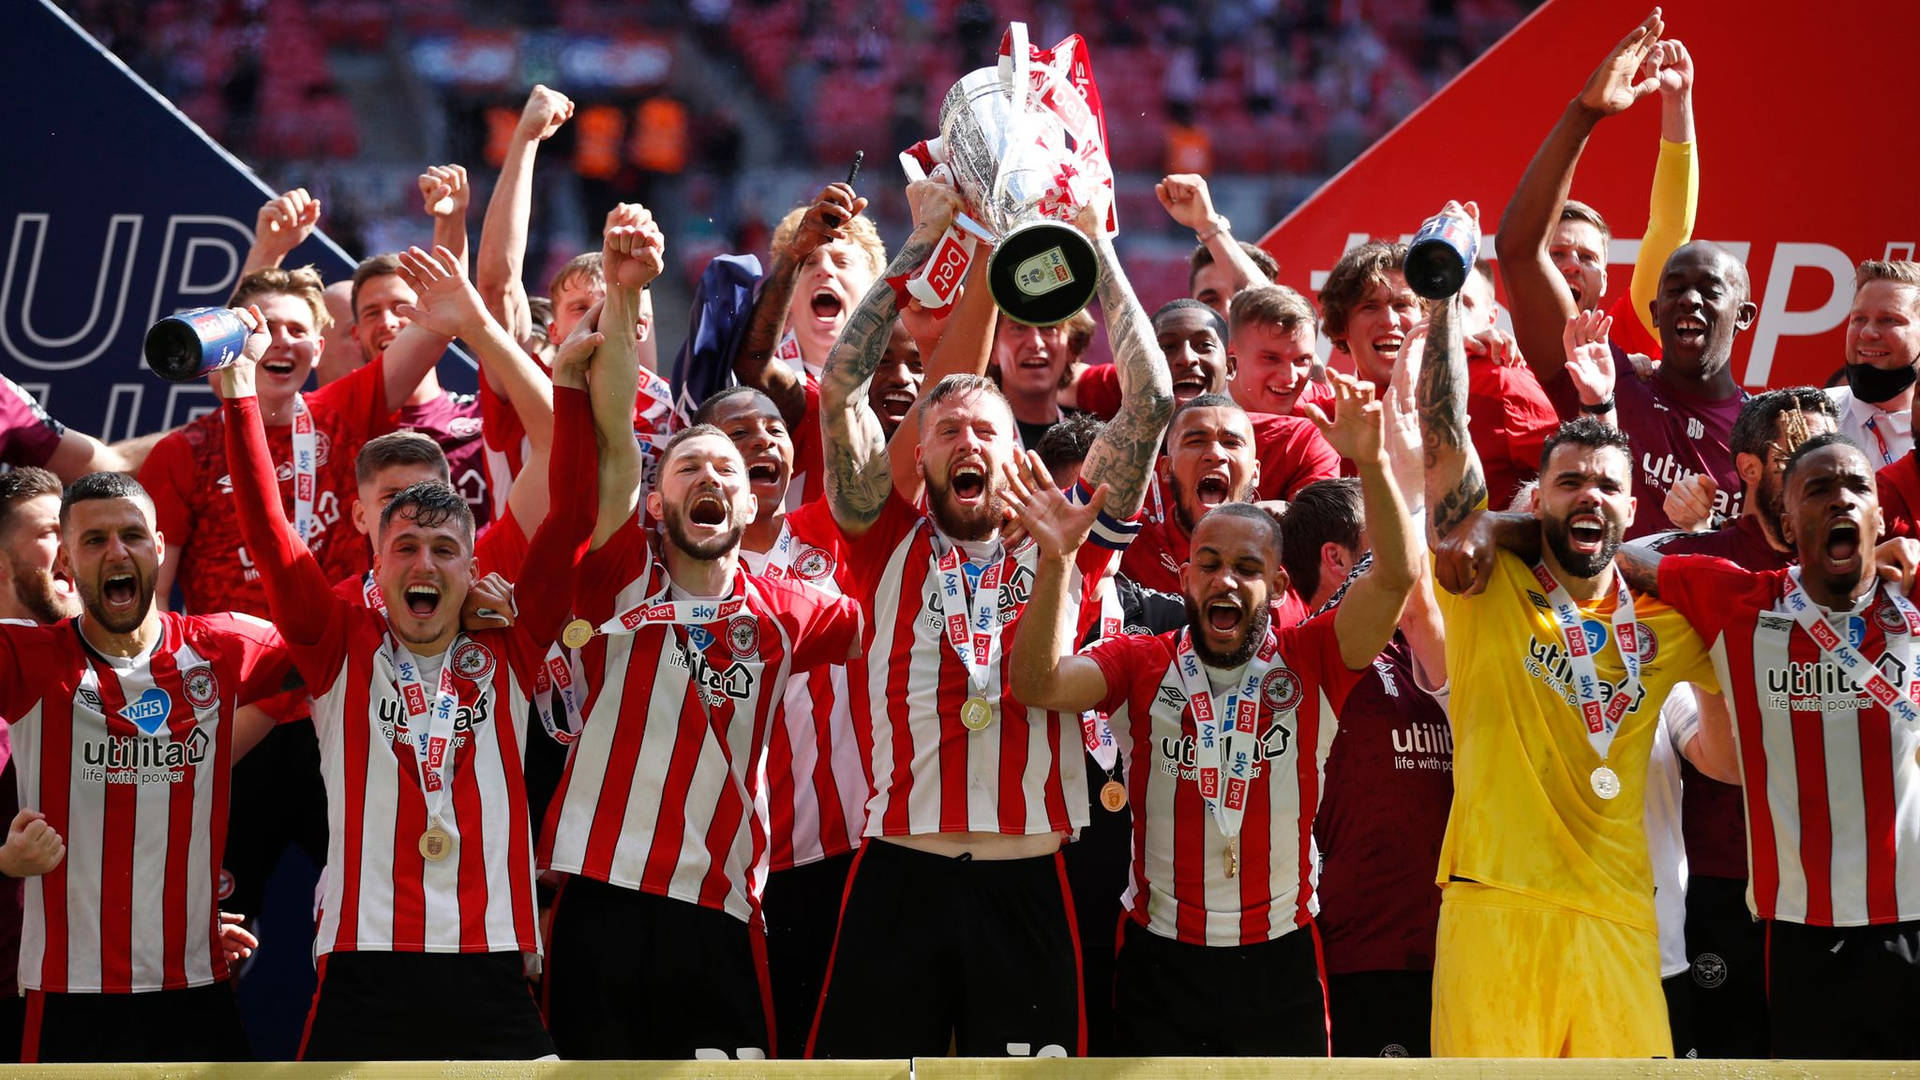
[1280, 689]
[812, 564]
[201, 687]
[743, 636]
[472, 661]
[1649, 643]
[1889, 618]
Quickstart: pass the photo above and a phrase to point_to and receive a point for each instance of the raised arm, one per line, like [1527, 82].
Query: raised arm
[444, 195]
[1589, 355]
[823, 223]
[79, 454]
[966, 344]
[854, 443]
[1455, 484]
[1046, 673]
[1365, 619]
[632, 256]
[1123, 454]
[281, 225]
[1187, 201]
[1538, 298]
[546, 586]
[298, 592]
[503, 236]
[1676, 180]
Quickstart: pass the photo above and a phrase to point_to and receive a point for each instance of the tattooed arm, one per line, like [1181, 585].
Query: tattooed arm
[1455, 485]
[1122, 456]
[854, 443]
[1641, 565]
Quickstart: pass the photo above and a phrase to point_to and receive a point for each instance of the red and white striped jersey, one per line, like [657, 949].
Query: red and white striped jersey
[130, 762]
[1023, 773]
[1832, 789]
[656, 795]
[811, 793]
[1179, 887]
[381, 894]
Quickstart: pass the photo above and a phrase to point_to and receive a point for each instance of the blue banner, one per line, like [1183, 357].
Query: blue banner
[117, 211]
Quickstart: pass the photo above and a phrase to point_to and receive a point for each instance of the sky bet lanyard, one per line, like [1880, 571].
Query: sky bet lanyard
[1224, 736]
[561, 671]
[1094, 729]
[427, 726]
[1602, 722]
[305, 460]
[973, 626]
[1865, 676]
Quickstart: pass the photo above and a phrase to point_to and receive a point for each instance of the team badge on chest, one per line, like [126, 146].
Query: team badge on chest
[201, 687]
[812, 564]
[472, 661]
[743, 636]
[1280, 690]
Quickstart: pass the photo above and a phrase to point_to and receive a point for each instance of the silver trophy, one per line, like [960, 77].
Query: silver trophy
[1020, 144]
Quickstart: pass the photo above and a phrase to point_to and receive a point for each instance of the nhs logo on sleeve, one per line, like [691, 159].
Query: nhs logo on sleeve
[148, 711]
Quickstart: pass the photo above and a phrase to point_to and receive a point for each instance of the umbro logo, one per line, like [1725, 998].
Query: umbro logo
[1172, 697]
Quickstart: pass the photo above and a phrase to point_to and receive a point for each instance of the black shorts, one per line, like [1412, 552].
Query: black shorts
[201, 1023]
[1844, 992]
[1172, 998]
[1727, 947]
[801, 905]
[409, 1006]
[1098, 862]
[278, 799]
[934, 952]
[633, 976]
[1381, 1013]
[1678, 990]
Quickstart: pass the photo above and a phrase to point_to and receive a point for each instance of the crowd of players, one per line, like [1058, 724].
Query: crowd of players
[927, 689]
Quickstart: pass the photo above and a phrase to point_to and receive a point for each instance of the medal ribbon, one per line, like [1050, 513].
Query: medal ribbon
[370, 592]
[1866, 677]
[1094, 728]
[1602, 721]
[427, 725]
[1225, 730]
[305, 462]
[972, 615]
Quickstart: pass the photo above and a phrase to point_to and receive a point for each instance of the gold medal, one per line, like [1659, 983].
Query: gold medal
[1232, 856]
[436, 844]
[976, 714]
[576, 634]
[1113, 796]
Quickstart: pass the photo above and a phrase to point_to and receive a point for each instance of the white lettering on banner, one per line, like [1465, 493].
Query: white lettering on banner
[1776, 321]
[89, 341]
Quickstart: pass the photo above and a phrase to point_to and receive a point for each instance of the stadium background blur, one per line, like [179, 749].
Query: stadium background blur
[721, 115]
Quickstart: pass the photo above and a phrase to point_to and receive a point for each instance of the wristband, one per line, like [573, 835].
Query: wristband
[1220, 225]
[1601, 409]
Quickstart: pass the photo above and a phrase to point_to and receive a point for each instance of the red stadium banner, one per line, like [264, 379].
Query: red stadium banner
[1805, 167]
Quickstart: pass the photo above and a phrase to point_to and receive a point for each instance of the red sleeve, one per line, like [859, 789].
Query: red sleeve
[1122, 659]
[502, 547]
[28, 436]
[262, 661]
[360, 398]
[1313, 647]
[809, 456]
[1699, 588]
[1292, 455]
[17, 694]
[1098, 391]
[553, 555]
[167, 475]
[298, 593]
[824, 627]
[1899, 485]
[500, 427]
[611, 568]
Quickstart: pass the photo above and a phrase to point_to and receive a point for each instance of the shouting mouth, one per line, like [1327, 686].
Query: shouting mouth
[1212, 490]
[1587, 531]
[1842, 552]
[969, 482]
[827, 305]
[422, 601]
[707, 509]
[1224, 616]
[120, 591]
[1689, 330]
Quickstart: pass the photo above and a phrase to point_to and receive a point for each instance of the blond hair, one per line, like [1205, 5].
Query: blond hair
[303, 284]
[1269, 305]
[860, 231]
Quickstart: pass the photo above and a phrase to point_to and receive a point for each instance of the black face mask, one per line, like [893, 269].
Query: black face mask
[1875, 385]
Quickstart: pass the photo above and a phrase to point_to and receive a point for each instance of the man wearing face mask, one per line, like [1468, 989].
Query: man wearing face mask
[1883, 344]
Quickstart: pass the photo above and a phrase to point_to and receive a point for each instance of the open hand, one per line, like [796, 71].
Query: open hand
[1056, 524]
[1623, 77]
[1589, 356]
[1357, 431]
[444, 300]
